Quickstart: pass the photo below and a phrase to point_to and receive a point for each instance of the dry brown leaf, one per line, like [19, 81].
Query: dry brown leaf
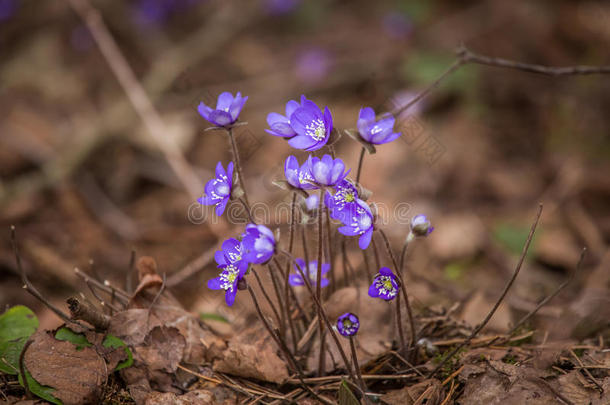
[571, 387]
[76, 375]
[429, 392]
[253, 354]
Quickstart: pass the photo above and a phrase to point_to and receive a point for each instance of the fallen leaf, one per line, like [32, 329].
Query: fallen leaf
[426, 392]
[76, 375]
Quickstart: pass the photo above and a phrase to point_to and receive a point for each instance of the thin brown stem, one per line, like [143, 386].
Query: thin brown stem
[550, 297]
[267, 298]
[401, 332]
[322, 357]
[247, 209]
[331, 253]
[278, 294]
[291, 233]
[476, 331]
[360, 161]
[237, 161]
[361, 383]
[22, 369]
[403, 288]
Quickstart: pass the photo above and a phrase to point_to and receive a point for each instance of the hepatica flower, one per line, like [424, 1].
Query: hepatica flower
[231, 253]
[311, 125]
[358, 222]
[343, 201]
[218, 190]
[348, 324]
[326, 171]
[227, 281]
[258, 244]
[421, 226]
[280, 124]
[375, 131]
[385, 285]
[311, 272]
[298, 176]
[227, 109]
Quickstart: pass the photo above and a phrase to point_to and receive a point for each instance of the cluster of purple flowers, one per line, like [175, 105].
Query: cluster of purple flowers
[257, 246]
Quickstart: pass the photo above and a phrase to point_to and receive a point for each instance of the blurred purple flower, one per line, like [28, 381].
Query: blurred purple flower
[311, 272]
[344, 200]
[348, 324]
[311, 125]
[227, 281]
[397, 25]
[218, 190]
[8, 8]
[385, 285]
[280, 124]
[281, 7]
[81, 39]
[358, 222]
[376, 131]
[258, 244]
[403, 98]
[298, 176]
[313, 65]
[153, 12]
[421, 226]
[326, 171]
[227, 109]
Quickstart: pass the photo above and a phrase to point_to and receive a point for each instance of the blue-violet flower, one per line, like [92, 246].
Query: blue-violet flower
[228, 279]
[280, 124]
[218, 190]
[326, 171]
[311, 272]
[311, 125]
[298, 176]
[227, 109]
[421, 226]
[385, 285]
[348, 324]
[376, 131]
[344, 200]
[231, 253]
[258, 244]
[358, 222]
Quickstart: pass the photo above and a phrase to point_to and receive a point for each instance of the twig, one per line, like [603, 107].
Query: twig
[543, 382]
[550, 297]
[498, 302]
[22, 370]
[587, 372]
[357, 369]
[137, 95]
[27, 285]
[101, 286]
[192, 268]
[82, 310]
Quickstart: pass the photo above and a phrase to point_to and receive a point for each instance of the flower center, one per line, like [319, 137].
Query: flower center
[316, 129]
[223, 189]
[349, 197]
[388, 284]
[228, 277]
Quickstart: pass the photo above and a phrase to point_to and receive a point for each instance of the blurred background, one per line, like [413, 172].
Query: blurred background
[85, 182]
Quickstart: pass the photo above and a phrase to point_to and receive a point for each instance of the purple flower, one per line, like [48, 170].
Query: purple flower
[358, 222]
[151, 12]
[312, 127]
[344, 200]
[281, 7]
[311, 272]
[218, 190]
[376, 131]
[231, 253]
[313, 65]
[348, 324]
[258, 244]
[312, 202]
[397, 25]
[421, 226]
[326, 171]
[298, 176]
[280, 124]
[227, 109]
[227, 280]
[7, 9]
[385, 285]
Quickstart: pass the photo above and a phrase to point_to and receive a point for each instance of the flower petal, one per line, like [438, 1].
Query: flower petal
[365, 239]
[204, 110]
[301, 142]
[224, 101]
[214, 284]
[295, 280]
[220, 118]
[230, 296]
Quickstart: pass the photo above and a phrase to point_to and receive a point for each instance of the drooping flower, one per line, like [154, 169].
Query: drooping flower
[421, 226]
[218, 190]
[227, 109]
[311, 272]
[385, 285]
[358, 222]
[258, 244]
[311, 125]
[280, 124]
[298, 176]
[344, 200]
[348, 324]
[231, 253]
[326, 171]
[376, 131]
[227, 281]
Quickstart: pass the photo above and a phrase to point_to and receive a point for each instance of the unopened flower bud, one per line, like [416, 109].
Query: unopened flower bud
[421, 226]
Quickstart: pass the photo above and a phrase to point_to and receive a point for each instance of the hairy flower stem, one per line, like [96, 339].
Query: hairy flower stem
[247, 209]
[403, 287]
[238, 167]
[293, 363]
[360, 161]
[367, 265]
[267, 298]
[323, 313]
[287, 271]
[321, 358]
[331, 253]
[278, 295]
[376, 254]
[403, 254]
[401, 332]
[361, 383]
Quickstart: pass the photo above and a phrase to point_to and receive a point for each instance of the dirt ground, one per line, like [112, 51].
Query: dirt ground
[85, 182]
